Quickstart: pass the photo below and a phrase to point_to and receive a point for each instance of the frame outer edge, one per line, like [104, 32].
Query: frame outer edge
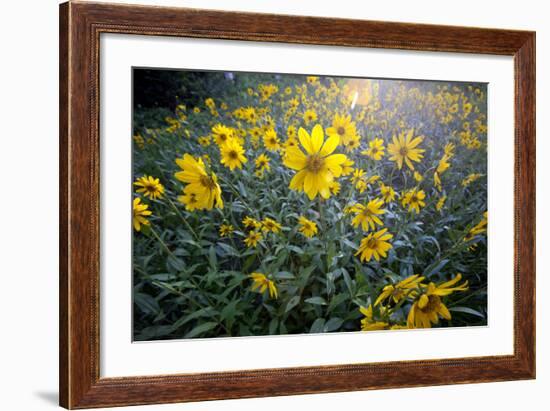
[64, 102]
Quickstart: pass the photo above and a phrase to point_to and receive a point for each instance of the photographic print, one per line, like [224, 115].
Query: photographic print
[274, 204]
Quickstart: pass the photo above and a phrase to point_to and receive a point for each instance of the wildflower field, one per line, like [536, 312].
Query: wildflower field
[271, 204]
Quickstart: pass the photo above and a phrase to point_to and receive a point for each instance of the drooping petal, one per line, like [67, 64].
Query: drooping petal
[305, 140]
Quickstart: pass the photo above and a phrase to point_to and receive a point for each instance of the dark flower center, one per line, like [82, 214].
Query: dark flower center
[341, 131]
[315, 163]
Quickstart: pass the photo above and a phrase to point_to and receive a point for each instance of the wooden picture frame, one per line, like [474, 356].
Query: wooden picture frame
[80, 27]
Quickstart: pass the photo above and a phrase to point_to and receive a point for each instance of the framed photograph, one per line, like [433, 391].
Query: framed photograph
[259, 205]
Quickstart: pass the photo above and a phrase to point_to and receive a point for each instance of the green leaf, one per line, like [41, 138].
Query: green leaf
[284, 275]
[317, 326]
[467, 311]
[146, 303]
[201, 329]
[333, 324]
[293, 302]
[316, 301]
[435, 268]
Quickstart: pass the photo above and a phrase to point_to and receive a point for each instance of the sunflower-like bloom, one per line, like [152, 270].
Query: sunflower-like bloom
[376, 149]
[262, 163]
[367, 215]
[399, 291]
[428, 306]
[344, 128]
[369, 323]
[202, 190]
[479, 228]
[347, 167]
[253, 238]
[261, 283]
[271, 141]
[310, 116]
[251, 223]
[403, 149]
[232, 154]
[149, 186]
[414, 199]
[387, 193]
[335, 187]
[226, 230]
[139, 214]
[269, 224]
[449, 150]
[318, 167]
[375, 245]
[307, 227]
[222, 134]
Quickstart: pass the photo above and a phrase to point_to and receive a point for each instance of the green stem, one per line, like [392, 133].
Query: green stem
[180, 215]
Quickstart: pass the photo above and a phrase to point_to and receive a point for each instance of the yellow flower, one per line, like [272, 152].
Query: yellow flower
[226, 230]
[428, 306]
[403, 149]
[318, 167]
[251, 223]
[347, 167]
[312, 79]
[204, 141]
[262, 283]
[232, 154]
[470, 179]
[376, 149]
[202, 190]
[387, 193]
[334, 187]
[253, 238]
[368, 323]
[196, 110]
[344, 128]
[358, 175]
[150, 187]
[269, 224]
[221, 134]
[443, 164]
[479, 228]
[437, 181]
[262, 162]
[309, 116]
[353, 143]
[449, 150]
[139, 214]
[367, 216]
[307, 227]
[375, 244]
[291, 132]
[400, 290]
[418, 177]
[440, 203]
[271, 141]
[414, 199]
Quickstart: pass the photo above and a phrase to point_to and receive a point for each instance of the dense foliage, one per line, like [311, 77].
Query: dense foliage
[278, 204]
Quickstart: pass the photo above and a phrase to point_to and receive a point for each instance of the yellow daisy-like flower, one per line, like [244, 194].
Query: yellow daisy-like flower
[479, 228]
[368, 323]
[470, 179]
[262, 162]
[312, 79]
[353, 143]
[443, 164]
[387, 193]
[344, 128]
[204, 141]
[376, 149]
[347, 167]
[428, 306]
[307, 227]
[440, 203]
[202, 190]
[418, 177]
[437, 181]
[139, 214]
[414, 199]
[261, 283]
[404, 149]
[375, 245]
[232, 154]
[149, 186]
[251, 223]
[292, 132]
[222, 134]
[310, 116]
[334, 187]
[269, 224]
[367, 216]
[318, 167]
[253, 238]
[226, 230]
[449, 150]
[271, 141]
[400, 290]
[358, 175]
